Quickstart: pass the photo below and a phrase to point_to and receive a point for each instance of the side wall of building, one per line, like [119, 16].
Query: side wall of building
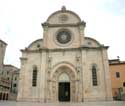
[103, 90]
[27, 92]
[117, 82]
[2, 52]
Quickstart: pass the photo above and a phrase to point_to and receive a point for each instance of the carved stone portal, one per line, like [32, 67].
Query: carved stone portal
[58, 76]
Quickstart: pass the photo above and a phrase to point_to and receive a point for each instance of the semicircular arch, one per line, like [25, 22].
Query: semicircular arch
[63, 67]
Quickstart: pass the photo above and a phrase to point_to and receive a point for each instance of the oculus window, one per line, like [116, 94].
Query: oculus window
[63, 37]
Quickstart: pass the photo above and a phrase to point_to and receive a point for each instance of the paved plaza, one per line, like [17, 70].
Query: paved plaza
[109, 103]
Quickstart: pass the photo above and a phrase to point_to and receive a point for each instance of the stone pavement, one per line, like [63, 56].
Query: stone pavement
[107, 103]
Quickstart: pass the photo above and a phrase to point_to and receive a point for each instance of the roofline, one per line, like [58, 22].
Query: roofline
[3, 42]
[69, 11]
[9, 65]
[114, 59]
[117, 63]
[62, 49]
[34, 42]
[93, 39]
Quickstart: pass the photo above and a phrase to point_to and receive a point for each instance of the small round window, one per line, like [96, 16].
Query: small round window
[63, 37]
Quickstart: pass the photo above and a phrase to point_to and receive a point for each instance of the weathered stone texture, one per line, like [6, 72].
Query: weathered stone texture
[74, 58]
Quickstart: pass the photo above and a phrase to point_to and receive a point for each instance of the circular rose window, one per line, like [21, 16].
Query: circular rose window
[63, 37]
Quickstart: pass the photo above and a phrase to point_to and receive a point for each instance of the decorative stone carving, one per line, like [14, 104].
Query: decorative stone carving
[77, 58]
[63, 37]
[78, 68]
[23, 61]
[45, 26]
[49, 63]
[63, 17]
[49, 59]
[78, 63]
[63, 8]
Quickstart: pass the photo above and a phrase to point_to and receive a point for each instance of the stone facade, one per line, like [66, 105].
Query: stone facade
[10, 76]
[7, 77]
[2, 53]
[64, 55]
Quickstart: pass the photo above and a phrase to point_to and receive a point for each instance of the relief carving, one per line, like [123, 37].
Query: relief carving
[63, 17]
[49, 64]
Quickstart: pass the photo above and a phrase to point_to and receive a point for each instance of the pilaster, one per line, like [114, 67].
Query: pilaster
[42, 78]
[107, 75]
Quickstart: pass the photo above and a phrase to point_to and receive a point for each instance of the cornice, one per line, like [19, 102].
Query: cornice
[3, 42]
[63, 49]
[23, 58]
[117, 63]
[64, 25]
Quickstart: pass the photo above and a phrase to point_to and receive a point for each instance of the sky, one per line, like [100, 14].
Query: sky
[20, 23]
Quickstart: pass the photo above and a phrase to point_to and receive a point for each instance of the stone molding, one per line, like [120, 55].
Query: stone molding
[63, 49]
[64, 25]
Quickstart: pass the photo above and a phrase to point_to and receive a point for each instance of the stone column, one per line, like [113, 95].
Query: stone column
[73, 88]
[84, 69]
[48, 71]
[42, 78]
[45, 28]
[82, 27]
[50, 90]
[53, 91]
[21, 80]
[77, 91]
[79, 75]
[108, 86]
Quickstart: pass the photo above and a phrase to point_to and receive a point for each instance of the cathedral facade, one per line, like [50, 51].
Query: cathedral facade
[64, 65]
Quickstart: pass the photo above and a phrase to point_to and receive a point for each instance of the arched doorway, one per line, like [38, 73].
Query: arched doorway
[63, 83]
[64, 87]
[4, 96]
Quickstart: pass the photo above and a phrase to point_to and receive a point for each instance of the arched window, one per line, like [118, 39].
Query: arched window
[94, 76]
[64, 78]
[7, 96]
[4, 96]
[34, 77]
